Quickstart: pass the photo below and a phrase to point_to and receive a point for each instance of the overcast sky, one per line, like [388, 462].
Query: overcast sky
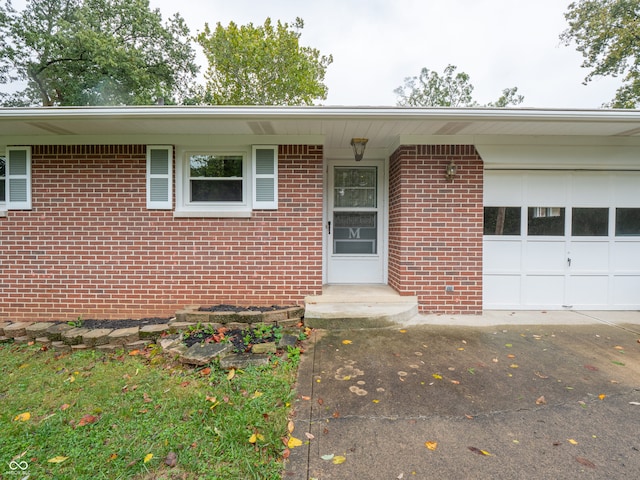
[377, 43]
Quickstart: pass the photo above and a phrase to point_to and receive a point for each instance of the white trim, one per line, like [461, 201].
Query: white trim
[185, 208]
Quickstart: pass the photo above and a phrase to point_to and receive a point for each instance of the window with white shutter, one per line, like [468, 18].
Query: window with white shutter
[159, 177]
[265, 177]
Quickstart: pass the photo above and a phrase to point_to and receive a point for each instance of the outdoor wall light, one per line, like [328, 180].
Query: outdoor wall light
[359, 144]
[450, 171]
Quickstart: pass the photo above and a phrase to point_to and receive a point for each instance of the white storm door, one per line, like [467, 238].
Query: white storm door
[355, 250]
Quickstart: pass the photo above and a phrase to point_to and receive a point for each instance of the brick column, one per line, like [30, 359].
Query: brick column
[435, 227]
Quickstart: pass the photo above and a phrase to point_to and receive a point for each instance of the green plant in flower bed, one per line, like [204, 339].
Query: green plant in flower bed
[242, 339]
[123, 416]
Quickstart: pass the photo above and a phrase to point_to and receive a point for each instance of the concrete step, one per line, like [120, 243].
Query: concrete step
[358, 306]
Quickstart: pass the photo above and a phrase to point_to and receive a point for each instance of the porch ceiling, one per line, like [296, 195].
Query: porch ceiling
[386, 127]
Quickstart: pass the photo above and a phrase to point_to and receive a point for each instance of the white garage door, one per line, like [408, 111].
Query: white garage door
[558, 239]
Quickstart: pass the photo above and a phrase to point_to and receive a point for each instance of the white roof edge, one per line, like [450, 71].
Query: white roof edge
[539, 114]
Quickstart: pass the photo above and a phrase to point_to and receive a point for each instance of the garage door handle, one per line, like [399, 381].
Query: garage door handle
[568, 262]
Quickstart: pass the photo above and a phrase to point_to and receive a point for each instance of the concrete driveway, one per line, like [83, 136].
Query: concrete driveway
[524, 395]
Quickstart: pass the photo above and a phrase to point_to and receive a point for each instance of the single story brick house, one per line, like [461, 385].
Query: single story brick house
[131, 212]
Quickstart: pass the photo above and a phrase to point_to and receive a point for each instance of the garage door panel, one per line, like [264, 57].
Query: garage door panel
[589, 257]
[545, 189]
[589, 291]
[626, 291]
[542, 291]
[503, 256]
[542, 256]
[502, 290]
[626, 257]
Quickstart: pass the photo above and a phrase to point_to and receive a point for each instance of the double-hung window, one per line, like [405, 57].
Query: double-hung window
[15, 179]
[226, 183]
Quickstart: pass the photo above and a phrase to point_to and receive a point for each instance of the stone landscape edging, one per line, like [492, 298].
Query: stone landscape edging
[63, 337]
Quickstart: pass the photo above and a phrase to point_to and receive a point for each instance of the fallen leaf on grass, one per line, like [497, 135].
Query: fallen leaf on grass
[338, 459]
[23, 417]
[205, 371]
[133, 353]
[171, 460]
[231, 374]
[112, 457]
[585, 462]
[479, 452]
[64, 406]
[431, 445]
[294, 442]
[57, 459]
[255, 437]
[147, 457]
[87, 420]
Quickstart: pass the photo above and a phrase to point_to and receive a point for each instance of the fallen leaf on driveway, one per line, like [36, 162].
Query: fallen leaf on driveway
[591, 368]
[572, 441]
[431, 445]
[602, 396]
[338, 459]
[585, 462]
[479, 452]
[294, 442]
[347, 342]
[540, 375]
[541, 401]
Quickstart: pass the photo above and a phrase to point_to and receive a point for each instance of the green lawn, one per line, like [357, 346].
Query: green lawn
[121, 416]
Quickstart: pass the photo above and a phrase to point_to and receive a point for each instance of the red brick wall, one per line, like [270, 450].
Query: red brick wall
[435, 227]
[90, 248]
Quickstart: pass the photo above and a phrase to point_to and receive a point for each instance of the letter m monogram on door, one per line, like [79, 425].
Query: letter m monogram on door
[354, 232]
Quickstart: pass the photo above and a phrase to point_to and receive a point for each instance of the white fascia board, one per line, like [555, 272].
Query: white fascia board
[165, 112]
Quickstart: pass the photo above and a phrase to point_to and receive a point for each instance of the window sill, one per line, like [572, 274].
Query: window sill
[211, 214]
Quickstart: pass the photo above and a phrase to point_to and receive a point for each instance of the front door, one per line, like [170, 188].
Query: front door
[355, 240]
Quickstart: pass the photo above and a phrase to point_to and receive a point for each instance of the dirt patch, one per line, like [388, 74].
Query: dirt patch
[124, 323]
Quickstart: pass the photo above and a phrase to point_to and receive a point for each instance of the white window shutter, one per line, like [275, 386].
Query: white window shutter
[18, 178]
[265, 177]
[159, 177]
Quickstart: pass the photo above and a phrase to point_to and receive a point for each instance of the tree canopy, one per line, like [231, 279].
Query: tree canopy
[262, 65]
[94, 52]
[607, 33]
[451, 89]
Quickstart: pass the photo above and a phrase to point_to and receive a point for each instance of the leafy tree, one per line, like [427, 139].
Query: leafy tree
[93, 52]
[263, 65]
[607, 33]
[450, 89]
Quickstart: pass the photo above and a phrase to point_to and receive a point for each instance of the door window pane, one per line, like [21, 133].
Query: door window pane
[627, 221]
[545, 221]
[355, 187]
[355, 232]
[590, 222]
[502, 220]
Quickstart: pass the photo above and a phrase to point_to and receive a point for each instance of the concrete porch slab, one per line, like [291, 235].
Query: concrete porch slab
[358, 306]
